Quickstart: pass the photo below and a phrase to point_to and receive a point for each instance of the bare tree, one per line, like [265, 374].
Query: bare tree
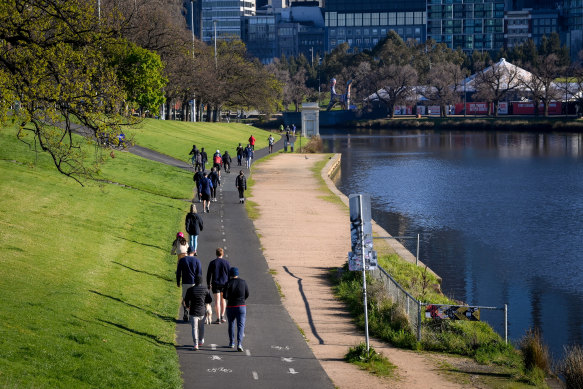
[495, 82]
[442, 89]
[394, 85]
[540, 83]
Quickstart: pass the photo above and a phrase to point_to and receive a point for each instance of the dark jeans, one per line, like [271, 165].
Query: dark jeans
[239, 159]
[239, 314]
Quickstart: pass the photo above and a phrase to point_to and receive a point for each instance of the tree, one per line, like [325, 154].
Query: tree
[495, 82]
[541, 81]
[442, 89]
[394, 85]
[54, 68]
[140, 72]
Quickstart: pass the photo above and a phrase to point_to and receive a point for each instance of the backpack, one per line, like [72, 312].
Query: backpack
[217, 159]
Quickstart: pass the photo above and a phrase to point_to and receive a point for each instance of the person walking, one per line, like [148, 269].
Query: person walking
[236, 293]
[270, 140]
[204, 189]
[203, 159]
[194, 152]
[252, 142]
[217, 161]
[241, 184]
[227, 162]
[248, 156]
[240, 152]
[198, 175]
[194, 225]
[217, 277]
[195, 301]
[216, 181]
[179, 246]
[187, 269]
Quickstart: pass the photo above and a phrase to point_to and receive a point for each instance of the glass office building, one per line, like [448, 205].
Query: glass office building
[467, 24]
[362, 24]
[227, 14]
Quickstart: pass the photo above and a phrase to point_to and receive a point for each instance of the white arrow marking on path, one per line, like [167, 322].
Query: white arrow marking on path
[215, 358]
[255, 375]
[213, 346]
[287, 359]
[248, 352]
[292, 371]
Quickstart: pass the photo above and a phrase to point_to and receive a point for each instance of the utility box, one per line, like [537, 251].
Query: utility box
[310, 120]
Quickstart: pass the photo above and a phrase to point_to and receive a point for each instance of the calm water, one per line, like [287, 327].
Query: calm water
[500, 216]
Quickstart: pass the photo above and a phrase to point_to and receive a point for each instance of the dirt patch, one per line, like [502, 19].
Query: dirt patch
[303, 237]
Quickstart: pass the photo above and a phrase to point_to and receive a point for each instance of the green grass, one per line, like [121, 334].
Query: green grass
[370, 360]
[88, 291]
[327, 194]
[252, 207]
[176, 138]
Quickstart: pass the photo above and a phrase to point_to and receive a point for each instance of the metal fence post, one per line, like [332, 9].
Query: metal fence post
[419, 321]
[506, 323]
[417, 257]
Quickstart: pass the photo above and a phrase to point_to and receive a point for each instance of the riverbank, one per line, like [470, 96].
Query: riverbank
[303, 236]
[501, 123]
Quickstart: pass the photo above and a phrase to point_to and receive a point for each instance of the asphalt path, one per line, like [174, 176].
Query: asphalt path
[275, 353]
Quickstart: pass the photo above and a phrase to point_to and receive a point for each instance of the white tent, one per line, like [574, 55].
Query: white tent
[507, 78]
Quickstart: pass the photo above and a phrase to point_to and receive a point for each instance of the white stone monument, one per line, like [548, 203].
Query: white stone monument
[310, 120]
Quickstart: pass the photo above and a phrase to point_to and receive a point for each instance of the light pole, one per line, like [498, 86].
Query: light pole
[192, 28]
[99, 10]
[215, 26]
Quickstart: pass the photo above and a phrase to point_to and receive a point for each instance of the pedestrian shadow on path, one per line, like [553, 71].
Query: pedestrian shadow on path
[307, 305]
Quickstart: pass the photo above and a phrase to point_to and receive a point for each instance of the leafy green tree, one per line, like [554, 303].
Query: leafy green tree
[53, 68]
[141, 73]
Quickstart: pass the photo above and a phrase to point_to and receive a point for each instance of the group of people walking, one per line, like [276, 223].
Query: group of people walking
[223, 285]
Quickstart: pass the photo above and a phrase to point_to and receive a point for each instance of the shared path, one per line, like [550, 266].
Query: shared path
[275, 353]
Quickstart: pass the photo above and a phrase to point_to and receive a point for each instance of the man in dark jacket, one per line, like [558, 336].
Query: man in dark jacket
[187, 270]
[204, 189]
[195, 301]
[204, 158]
[217, 277]
[236, 292]
[227, 162]
[240, 150]
[198, 175]
[241, 184]
[216, 181]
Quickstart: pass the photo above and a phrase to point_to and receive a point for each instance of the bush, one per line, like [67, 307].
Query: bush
[571, 367]
[314, 145]
[370, 361]
[534, 352]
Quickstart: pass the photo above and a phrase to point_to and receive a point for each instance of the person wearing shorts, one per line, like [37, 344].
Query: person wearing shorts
[217, 276]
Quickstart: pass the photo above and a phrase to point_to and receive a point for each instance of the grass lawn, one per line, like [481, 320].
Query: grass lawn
[88, 288]
[176, 138]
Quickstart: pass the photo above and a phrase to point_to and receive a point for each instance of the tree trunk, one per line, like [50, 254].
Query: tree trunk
[496, 104]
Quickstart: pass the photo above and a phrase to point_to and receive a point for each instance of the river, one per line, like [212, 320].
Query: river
[500, 216]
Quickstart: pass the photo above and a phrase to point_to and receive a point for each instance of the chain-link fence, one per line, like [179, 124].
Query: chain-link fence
[408, 303]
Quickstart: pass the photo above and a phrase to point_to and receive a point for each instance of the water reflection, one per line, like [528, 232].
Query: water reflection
[500, 215]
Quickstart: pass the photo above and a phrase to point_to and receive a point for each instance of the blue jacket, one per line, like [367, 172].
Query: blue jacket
[218, 272]
[205, 186]
[187, 269]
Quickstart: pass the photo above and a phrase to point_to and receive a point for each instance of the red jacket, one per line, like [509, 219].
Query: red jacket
[251, 140]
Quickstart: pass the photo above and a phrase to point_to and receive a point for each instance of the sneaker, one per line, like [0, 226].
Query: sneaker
[223, 320]
[208, 209]
[218, 321]
[201, 343]
[231, 345]
[239, 348]
[195, 348]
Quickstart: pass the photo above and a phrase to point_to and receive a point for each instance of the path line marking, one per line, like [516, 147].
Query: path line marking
[255, 375]
[248, 352]
[213, 346]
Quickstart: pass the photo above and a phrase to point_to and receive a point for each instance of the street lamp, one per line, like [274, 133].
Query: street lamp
[215, 26]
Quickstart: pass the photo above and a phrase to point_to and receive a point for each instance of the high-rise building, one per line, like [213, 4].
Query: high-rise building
[363, 23]
[467, 24]
[223, 15]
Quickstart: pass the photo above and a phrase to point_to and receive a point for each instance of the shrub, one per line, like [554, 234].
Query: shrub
[534, 352]
[314, 145]
[370, 361]
[571, 367]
